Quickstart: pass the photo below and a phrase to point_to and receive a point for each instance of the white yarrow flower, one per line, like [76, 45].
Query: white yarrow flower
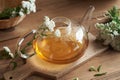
[49, 23]
[79, 35]
[9, 51]
[13, 14]
[32, 7]
[21, 13]
[26, 4]
[11, 54]
[29, 5]
[32, 1]
[46, 18]
[57, 33]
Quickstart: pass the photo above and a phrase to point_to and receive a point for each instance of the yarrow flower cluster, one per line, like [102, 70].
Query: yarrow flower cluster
[50, 24]
[26, 7]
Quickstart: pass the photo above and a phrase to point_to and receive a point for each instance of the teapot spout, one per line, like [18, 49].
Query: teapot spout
[87, 16]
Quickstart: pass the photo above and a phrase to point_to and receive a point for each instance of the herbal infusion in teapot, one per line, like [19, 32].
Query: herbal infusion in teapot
[60, 41]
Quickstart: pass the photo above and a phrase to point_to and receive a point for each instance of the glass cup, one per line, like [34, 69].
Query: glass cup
[66, 48]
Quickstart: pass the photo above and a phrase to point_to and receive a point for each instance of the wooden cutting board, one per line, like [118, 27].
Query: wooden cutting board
[38, 66]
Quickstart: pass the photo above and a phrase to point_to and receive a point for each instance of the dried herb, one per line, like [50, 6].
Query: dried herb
[76, 78]
[92, 68]
[100, 74]
[99, 67]
[97, 70]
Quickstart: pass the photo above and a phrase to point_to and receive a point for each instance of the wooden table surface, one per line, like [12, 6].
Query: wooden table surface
[73, 9]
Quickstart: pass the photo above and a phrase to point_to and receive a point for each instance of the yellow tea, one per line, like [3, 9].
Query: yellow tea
[59, 50]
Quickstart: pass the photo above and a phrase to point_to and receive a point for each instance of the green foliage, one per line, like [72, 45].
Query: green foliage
[4, 55]
[97, 70]
[100, 74]
[10, 12]
[114, 13]
[92, 68]
[112, 27]
[76, 78]
[108, 31]
[99, 67]
[6, 13]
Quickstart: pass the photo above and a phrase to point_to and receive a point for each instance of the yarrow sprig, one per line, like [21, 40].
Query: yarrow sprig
[49, 23]
[48, 26]
[6, 53]
[27, 7]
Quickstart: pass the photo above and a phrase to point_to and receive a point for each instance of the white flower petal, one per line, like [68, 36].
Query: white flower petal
[49, 23]
[7, 49]
[25, 4]
[21, 13]
[32, 1]
[32, 7]
[46, 18]
[57, 33]
[11, 54]
[28, 11]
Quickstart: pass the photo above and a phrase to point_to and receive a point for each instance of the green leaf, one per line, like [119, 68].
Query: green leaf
[8, 12]
[76, 78]
[92, 68]
[4, 55]
[23, 51]
[29, 43]
[114, 12]
[14, 64]
[43, 34]
[100, 74]
[99, 67]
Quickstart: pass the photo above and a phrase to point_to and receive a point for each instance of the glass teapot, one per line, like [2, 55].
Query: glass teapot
[65, 42]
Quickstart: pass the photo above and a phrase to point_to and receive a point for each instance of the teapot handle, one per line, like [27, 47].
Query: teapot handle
[19, 51]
